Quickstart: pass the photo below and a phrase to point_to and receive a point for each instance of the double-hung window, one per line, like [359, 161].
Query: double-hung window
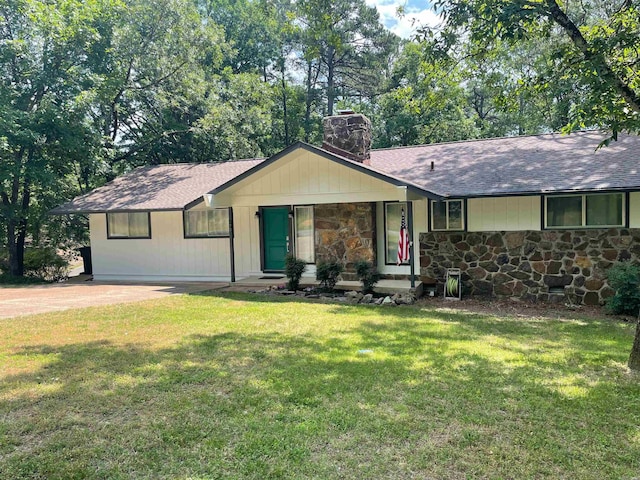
[128, 225]
[588, 210]
[447, 215]
[206, 223]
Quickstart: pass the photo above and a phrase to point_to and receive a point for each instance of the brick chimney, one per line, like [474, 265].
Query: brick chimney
[348, 134]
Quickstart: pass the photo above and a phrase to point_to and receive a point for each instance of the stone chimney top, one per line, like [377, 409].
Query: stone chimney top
[349, 135]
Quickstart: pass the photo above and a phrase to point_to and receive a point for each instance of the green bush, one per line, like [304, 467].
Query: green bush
[294, 268]
[368, 275]
[328, 272]
[44, 263]
[624, 278]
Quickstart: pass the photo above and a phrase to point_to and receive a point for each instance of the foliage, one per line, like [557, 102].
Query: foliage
[368, 275]
[591, 45]
[624, 278]
[328, 272]
[45, 263]
[293, 269]
[40, 264]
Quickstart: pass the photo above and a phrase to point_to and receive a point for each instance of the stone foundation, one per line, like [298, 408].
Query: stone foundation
[534, 265]
[345, 232]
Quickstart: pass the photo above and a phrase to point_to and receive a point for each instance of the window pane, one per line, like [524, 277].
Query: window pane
[304, 234]
[564, 211]
[219, 222]
[455, 215]
[604, 209]
[197, 224]
[393, 213]
[139, 224]
[439, 215]
[118, 224]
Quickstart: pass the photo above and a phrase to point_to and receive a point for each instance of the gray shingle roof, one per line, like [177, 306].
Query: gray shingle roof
[499, 166]
[516, 165]
[158, 187]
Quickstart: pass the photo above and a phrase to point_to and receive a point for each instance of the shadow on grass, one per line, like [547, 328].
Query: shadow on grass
[450, 395]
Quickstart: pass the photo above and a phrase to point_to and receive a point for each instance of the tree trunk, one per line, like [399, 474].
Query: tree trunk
[634, 358]
[284, 107]
[331, 94]
[308, 101]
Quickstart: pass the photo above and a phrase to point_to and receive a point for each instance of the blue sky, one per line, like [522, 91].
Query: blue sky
[417, 12]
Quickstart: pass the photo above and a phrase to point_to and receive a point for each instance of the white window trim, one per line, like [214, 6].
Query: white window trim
[584, 211]
[295, 230]
[447, 229]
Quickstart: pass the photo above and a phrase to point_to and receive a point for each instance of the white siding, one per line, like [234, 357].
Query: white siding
[304, 178]
[167, 255]
[503, 213]
[634, 210]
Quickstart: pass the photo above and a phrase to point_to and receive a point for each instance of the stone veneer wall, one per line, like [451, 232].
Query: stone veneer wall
[345, 232]
[527, 264]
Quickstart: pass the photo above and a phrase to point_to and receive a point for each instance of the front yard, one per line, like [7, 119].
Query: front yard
[243, 386]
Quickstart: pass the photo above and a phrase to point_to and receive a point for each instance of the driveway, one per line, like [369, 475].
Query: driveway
[32, 299]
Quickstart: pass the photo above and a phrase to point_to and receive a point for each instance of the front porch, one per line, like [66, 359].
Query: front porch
[387, 287]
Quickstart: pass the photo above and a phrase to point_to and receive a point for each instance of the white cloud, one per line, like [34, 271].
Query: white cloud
[416, 14]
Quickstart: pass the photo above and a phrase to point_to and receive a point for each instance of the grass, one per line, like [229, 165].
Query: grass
[241, 386]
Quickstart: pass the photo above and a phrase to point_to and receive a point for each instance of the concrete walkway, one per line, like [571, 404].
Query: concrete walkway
[32, 299]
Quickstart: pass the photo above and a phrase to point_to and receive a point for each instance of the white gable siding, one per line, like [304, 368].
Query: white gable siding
[307, 178]
[503, 214]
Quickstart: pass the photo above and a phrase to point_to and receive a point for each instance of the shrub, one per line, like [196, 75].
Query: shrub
[624, 278]
[294, 268]
[328, 273]
[368, 275]
[45, 263]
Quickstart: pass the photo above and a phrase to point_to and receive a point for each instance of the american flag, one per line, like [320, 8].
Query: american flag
[403, 241]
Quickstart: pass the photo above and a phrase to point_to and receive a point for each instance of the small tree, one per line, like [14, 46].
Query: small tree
[294, 268]
[328, 273]
[624, 278]
[368, 275]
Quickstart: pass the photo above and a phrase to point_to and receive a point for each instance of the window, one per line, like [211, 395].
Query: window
[447, 215]
[128, 225]
[304, 232]
[392, 220]
[592, 210]
[206, 223]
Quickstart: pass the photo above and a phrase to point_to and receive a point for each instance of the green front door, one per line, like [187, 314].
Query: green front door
[275, 237]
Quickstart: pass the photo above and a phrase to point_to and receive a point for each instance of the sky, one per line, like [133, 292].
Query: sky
[417, 12]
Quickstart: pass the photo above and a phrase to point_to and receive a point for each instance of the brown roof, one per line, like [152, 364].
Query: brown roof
[158, 187]
[498, 166]
[517, 165]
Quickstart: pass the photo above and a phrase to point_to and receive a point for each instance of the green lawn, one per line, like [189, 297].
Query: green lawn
[243, 386]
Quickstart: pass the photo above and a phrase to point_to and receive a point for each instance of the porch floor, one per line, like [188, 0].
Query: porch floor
[383, 286]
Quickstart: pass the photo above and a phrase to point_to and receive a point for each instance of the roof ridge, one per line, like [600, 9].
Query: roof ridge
[469, 140]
